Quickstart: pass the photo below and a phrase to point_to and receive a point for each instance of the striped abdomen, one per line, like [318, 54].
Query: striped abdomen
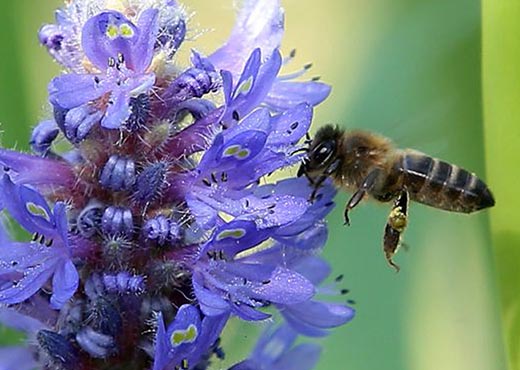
[442, 185]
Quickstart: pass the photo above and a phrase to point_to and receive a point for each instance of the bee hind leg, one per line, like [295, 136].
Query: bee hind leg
[395, 226]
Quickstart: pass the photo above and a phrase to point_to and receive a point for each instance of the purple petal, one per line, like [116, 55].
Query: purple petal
[314, 268]
[210, 303]
[241, 149]
[27, 207]
[28, 285]
[162, 349]
[227, 86]
[203, 213]
[312, 238]
[286, 209]
[211, 329]
[237, 236]
[285, 95]
[250, 271]
[285, 287]
[247, 98]
[118, 110]
[249, 74]
[311, 317]
[248, 313]
[259, 120]
[302, 357]
[272, 344]
[259, 25]
[301, 327]
[28, 169]
[107, 34]
[142, 51]
[11, 318]
[187, 318]
[18, 358]
[64, 284]
[291, 125]
[72, 90]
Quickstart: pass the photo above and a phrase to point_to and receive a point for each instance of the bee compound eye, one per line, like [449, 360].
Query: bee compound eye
[323, 152]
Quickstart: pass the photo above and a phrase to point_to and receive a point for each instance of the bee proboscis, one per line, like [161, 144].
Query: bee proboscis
[368, 164]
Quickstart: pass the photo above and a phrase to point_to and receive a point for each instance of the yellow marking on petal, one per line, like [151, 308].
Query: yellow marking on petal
[236, 151]
[231, 233]
[126, 31]
[265, 245]
[37, 211]
[188, 335]
[112, 32]
[244, 153]
[191, 333]
[245, 86]
[232, 150]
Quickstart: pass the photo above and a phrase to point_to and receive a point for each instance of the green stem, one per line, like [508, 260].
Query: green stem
[501, 97]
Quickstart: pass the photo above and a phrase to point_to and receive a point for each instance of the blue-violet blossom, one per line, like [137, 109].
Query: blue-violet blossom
[159, 223]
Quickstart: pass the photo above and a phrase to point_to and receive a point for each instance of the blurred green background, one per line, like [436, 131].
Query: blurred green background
[412, 70]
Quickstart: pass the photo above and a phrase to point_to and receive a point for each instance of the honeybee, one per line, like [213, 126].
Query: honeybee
[368, 164]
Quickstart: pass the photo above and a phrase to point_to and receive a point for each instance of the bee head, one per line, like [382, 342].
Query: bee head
[322, 150]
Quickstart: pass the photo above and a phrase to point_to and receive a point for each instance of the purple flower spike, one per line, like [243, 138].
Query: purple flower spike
[153, 213]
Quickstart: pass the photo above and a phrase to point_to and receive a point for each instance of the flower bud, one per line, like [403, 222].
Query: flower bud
[88, 222]
[117, 221]
[149, 182]
[123, 282]
[43, 135]
[118, 173]
[162, 230]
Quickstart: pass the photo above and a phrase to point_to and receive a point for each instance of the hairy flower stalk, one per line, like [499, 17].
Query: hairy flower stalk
[156, 226]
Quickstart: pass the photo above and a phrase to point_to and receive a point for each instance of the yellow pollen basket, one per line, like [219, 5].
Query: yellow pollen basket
[179, 337]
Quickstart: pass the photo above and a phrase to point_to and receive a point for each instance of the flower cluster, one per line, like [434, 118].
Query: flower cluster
[151, 221]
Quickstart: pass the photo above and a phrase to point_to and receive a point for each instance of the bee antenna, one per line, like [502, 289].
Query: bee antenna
[307, 137]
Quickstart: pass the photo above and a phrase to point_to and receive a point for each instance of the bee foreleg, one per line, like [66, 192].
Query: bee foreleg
[395, 226]
[316, 186]
[358, 196]
[329, 171]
